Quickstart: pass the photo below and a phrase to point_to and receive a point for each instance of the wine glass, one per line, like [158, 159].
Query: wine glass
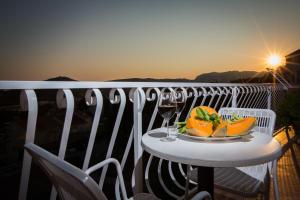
[180, 99]
[167, 108]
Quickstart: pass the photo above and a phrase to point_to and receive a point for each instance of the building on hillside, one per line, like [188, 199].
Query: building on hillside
[292, 68]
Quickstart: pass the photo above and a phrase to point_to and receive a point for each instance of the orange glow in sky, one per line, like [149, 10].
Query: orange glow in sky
[106, 40]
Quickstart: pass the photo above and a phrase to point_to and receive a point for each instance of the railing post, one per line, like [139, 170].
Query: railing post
[234, 97]
[269, 91]
[28, 102]
[138, 151]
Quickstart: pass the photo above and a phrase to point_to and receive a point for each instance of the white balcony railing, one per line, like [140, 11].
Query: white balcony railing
[136, 104]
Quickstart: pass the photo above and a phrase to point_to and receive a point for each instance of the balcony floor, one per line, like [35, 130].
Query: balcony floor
[288, 175]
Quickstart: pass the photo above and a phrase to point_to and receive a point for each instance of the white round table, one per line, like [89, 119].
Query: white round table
[253, 149]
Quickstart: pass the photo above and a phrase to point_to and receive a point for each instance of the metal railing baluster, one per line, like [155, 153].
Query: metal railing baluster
[64, 99]
[98, 102]
[114, 99]
[28, 101]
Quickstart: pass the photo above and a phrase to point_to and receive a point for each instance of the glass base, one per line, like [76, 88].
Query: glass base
[173, 128]
[168, 139]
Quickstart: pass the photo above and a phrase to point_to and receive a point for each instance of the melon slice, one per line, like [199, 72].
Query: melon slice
[240, 127]
[197, 127]
[209, 110]
[221, 130]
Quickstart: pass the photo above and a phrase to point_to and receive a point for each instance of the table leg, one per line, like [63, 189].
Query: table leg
[206, 180]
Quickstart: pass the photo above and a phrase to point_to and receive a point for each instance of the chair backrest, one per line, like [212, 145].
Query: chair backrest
[265, 118]
[69, 181]
[265, 122]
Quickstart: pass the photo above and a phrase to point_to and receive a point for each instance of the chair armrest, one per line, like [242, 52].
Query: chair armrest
[119, 172]
[201, 195]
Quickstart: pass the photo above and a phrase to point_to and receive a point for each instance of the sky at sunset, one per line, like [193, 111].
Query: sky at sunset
[105, 40]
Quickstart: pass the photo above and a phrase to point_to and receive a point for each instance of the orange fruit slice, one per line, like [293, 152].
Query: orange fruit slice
[221, 130]
[198, 127]
[241, 127]
[206, 108]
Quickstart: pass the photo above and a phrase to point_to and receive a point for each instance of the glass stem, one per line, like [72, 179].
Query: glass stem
[176, 120]
[168, 134]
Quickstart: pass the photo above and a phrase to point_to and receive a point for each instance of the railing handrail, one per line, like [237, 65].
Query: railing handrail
[20, 85]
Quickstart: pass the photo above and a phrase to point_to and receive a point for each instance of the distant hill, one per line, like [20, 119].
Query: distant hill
[263, 77]
[153, 80]
[212, 77]
[227, 77]
[61, 78]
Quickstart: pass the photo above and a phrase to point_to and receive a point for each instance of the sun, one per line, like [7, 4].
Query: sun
[275, 60]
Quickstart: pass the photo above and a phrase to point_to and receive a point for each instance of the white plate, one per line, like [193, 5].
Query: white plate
[209, 138]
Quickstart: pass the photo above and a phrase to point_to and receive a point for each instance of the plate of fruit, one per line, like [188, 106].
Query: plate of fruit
[204, 123]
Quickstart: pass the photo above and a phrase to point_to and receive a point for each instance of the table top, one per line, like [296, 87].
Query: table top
[255, 148]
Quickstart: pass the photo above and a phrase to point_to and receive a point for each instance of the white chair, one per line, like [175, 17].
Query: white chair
[72, 183]
[253, 180]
